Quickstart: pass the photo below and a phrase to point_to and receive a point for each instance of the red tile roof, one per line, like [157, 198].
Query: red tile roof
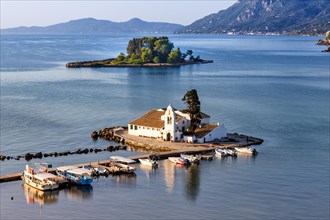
[204, 130]
[150, 119]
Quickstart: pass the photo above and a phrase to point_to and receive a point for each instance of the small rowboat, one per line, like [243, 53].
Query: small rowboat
[178, 160]
[191, 158]
[149, 162]
[246, 150]
[225, 152]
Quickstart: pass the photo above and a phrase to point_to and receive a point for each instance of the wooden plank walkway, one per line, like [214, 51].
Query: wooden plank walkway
[162, 155]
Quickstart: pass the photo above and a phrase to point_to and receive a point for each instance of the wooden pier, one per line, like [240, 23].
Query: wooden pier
[104, 163]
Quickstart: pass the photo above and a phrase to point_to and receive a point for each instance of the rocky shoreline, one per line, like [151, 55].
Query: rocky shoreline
[107, 63]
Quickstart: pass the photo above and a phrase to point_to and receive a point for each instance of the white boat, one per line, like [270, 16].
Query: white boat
[246, 150]
[40, 180]
[231, 152]
[178, 160]
[128, 165]
[149, 162]
[225, 152]
[97, 171]
[191, 158]
[76, 175]
[221, 152]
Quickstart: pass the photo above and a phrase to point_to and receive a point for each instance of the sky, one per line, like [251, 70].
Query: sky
[15, 13]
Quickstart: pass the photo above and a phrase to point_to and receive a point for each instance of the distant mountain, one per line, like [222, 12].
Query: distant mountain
[93, 26]
[267, 16]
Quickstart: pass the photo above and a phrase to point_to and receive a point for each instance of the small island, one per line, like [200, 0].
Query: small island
[146, 52]
[325, 42]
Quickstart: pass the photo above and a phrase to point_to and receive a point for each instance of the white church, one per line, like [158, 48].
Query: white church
[168, 124]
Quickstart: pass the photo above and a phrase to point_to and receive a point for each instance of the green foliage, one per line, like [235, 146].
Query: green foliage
[192, 101]
[121, 57]
[163, 48]
[175, 56]
[156, 59]
[146, 55]
[152, 50]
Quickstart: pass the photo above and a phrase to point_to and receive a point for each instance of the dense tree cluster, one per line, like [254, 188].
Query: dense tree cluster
[194, 106]
[153, 50]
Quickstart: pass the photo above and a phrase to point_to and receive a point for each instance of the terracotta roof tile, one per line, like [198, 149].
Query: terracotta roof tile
[204, 130]
[150, 119]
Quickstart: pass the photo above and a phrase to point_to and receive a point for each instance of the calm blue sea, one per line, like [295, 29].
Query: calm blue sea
[272, 87]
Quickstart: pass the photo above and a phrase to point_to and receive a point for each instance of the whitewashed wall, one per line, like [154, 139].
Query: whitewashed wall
[144, 131]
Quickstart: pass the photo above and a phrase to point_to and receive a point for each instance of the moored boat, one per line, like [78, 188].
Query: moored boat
[246, 150]
[76, 175]
[225, 152]
[149, 162]
[231, 152]
[221, 152]
[40, 180]
[191, 158]
[178, 160]
[125, 164]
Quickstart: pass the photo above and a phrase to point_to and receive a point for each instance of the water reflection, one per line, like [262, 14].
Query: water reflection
[149, 171]
[192, 182]
[33, 195]
[169, 172]
[128, 179]
[76, 192]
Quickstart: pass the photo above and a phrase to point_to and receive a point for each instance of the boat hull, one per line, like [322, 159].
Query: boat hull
[147, 162]
[29, 180]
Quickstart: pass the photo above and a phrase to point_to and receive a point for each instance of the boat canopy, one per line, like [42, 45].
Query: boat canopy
[65, 168]
[43, 176]
[123, 160]
[80, 171]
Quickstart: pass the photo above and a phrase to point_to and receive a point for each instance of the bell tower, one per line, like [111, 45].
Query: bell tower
[169, 134]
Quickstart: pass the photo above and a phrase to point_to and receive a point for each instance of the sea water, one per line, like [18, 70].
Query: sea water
[272, 87]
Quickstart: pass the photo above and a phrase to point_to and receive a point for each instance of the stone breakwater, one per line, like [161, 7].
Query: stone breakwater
[40, 155]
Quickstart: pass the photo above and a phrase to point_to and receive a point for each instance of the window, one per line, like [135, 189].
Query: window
[131, 126]
[135, 127]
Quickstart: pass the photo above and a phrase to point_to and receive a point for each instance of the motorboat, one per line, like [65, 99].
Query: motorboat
[76, 175]
[231, 152]
[149, 162]
[40, 180]
[246, 150]
[97, 170]
[225, 152]
[125, 164]
[221, 152]
[191, 158]
[178, 160]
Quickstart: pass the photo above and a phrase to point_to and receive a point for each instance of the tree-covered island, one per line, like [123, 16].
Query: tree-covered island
[148, 52]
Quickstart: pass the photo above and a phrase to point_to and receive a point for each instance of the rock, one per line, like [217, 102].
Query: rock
[2, 157]
[91, 150]
[110, 148]
[28, 157]
[94, 135]
[38, 155]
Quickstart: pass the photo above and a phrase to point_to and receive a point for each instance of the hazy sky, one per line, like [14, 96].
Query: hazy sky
[16, 13]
